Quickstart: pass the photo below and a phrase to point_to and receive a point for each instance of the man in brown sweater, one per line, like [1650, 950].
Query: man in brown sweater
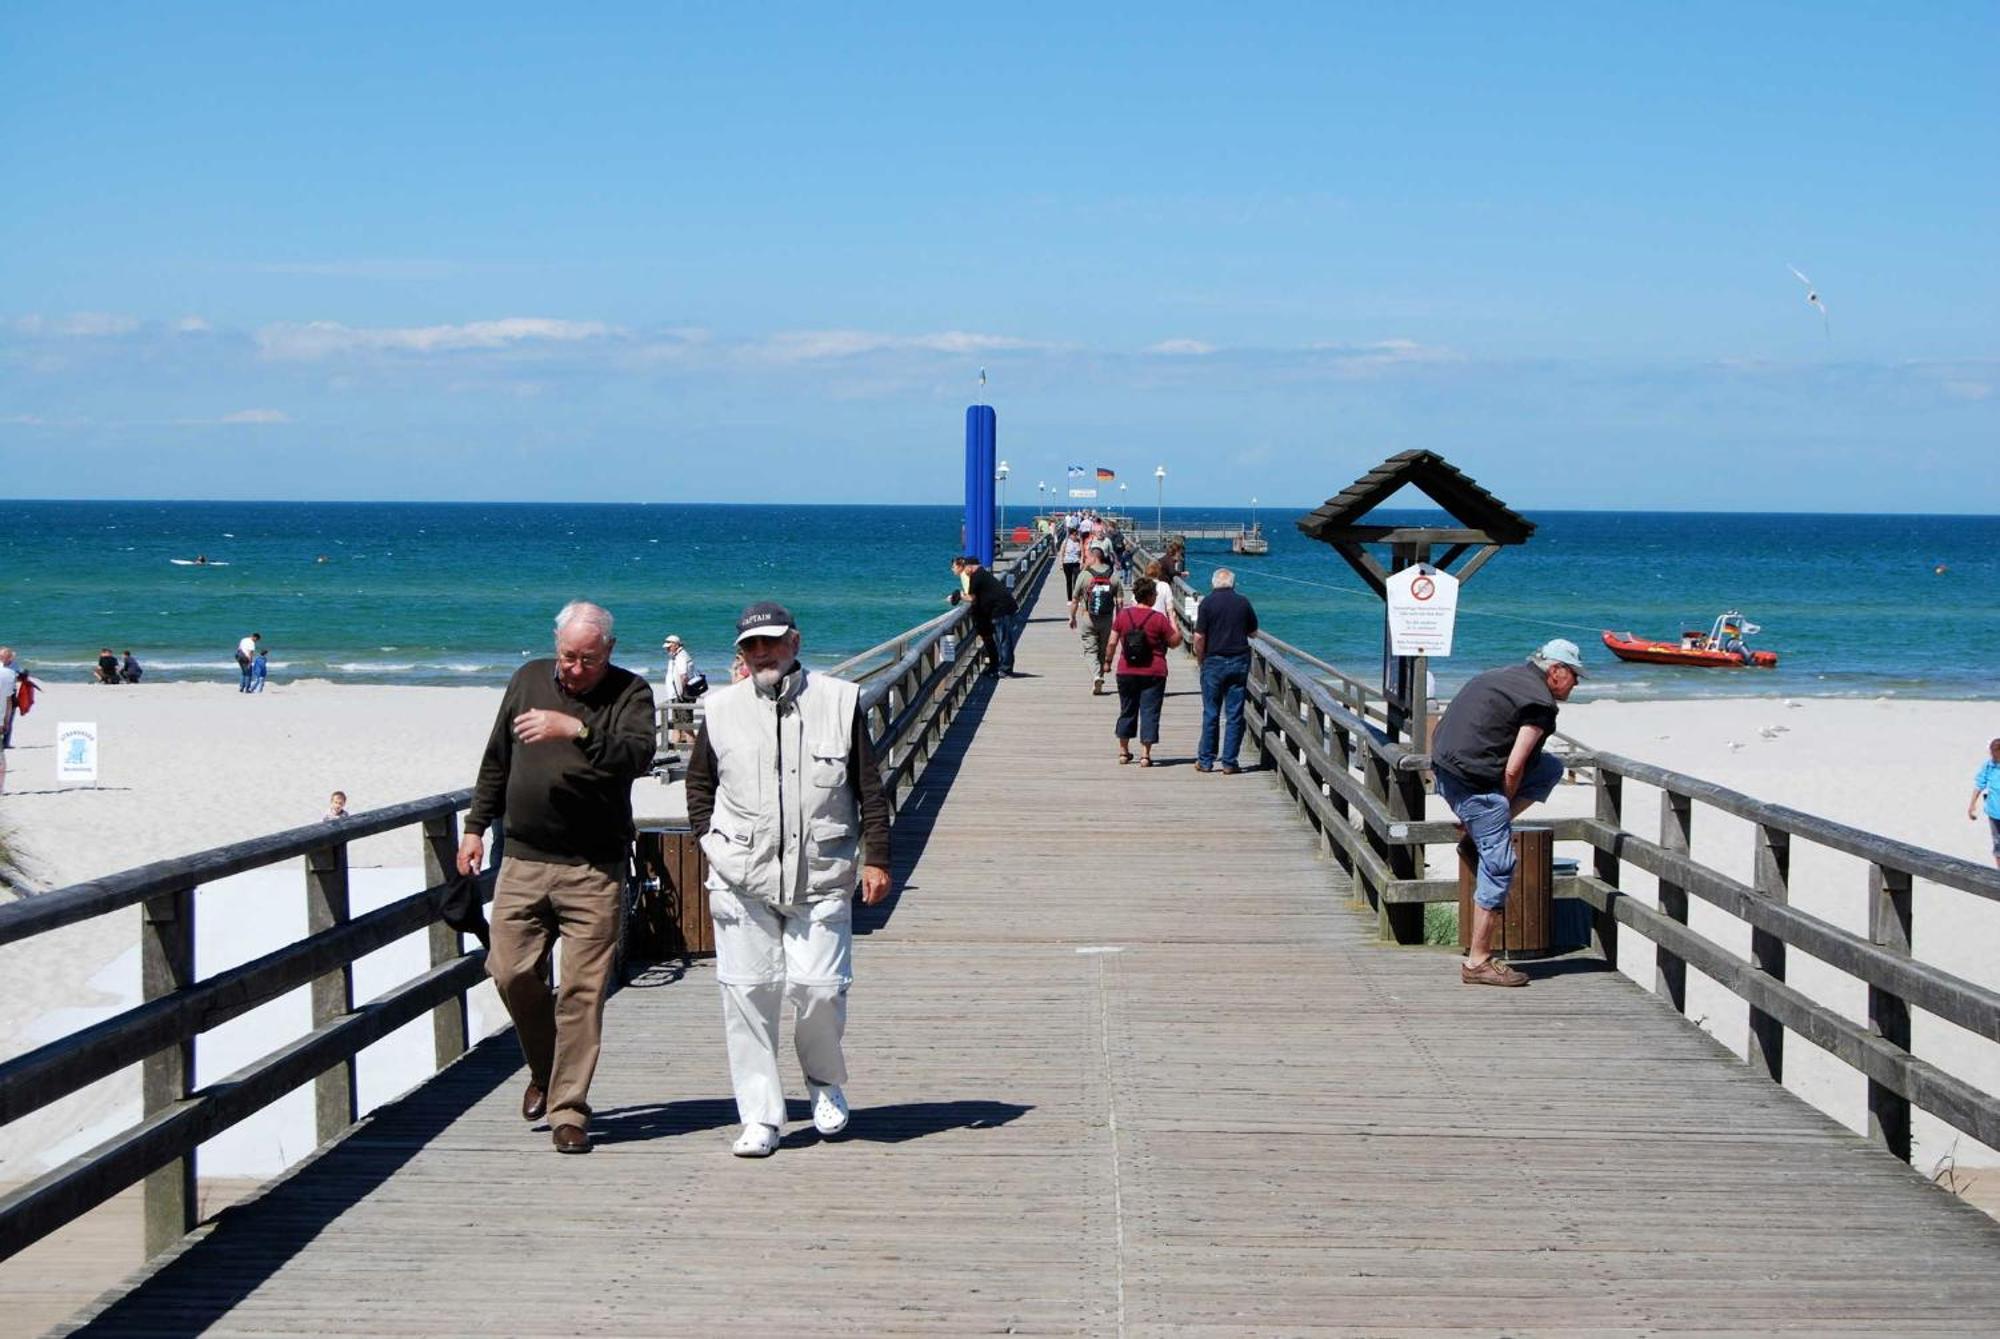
[571, 736]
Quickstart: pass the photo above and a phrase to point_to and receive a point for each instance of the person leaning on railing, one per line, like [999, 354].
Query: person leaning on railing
[1490, 766]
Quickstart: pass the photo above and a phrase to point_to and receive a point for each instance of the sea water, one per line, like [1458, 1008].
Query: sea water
[461, 593]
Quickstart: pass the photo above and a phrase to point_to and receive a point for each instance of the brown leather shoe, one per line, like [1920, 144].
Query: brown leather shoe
[571, 1139]
[534, 1103]
[1492, 972]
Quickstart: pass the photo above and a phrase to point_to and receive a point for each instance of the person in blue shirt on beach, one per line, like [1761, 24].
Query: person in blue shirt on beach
[258, 671]
[1987, 783]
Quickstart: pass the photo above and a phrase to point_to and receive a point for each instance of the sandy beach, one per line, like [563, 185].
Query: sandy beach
[190, 766]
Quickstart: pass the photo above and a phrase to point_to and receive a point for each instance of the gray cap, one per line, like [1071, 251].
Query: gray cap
[1561, 651]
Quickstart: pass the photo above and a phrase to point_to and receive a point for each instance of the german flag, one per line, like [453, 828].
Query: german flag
[1103, 473]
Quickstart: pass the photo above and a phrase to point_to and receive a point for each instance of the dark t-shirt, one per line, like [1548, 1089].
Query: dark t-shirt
[1477, 734]
[566, 802]
[991, 598]
[1226, 623]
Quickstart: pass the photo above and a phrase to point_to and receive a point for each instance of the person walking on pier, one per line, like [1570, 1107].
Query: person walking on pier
[784, 797]
[1072, 560]
[1143, 636]
[1224, 623]
[571, 736]
[1098, 594]
[1987, 784]
[1490, 766]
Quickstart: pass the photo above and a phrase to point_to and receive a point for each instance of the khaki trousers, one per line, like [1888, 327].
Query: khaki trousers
[534, 904]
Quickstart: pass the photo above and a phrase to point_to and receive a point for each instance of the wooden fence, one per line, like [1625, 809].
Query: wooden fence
[159, 1033]
[912, 687]
[1364, 793]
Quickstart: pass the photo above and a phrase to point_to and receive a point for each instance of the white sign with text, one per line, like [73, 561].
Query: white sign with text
[1423, 608]
[76, 752]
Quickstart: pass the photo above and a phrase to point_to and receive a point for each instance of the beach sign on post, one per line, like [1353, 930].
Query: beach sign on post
[76, 753]
[1423, 608]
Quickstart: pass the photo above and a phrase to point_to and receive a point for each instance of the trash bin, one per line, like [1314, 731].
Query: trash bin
[673, 909]
[1529, 920]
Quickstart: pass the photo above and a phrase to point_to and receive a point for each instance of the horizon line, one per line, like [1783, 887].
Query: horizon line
[1134, 509]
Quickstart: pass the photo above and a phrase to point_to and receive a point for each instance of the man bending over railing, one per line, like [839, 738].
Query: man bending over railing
[1490, 766]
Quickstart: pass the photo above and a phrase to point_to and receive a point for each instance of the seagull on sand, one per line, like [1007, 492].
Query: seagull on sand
[1812, 296]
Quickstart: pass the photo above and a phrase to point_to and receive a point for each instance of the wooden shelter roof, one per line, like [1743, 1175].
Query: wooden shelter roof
[1438, 479]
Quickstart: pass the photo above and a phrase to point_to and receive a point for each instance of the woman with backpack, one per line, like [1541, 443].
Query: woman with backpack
[1143, 636]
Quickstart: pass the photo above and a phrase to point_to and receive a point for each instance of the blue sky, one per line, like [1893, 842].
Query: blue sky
[691, 254]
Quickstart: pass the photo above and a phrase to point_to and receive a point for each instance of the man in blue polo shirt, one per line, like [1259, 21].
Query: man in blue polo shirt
[1490, 766]
[1223, 627]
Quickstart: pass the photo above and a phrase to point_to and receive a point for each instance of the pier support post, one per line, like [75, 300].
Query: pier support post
[449, 1031]
[1610, 810]
[1767, 951]
[1888, 1013]
[334, 1098]
[166, 964]
[1676, 835]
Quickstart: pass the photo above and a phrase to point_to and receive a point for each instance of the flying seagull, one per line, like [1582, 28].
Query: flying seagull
[1812, 296]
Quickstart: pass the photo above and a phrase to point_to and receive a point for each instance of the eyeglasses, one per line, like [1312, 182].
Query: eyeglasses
[579, 660]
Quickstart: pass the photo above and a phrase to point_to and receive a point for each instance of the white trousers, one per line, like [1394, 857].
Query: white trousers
[765, 955]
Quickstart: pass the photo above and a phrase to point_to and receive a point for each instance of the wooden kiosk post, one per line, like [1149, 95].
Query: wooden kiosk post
[1485, 526]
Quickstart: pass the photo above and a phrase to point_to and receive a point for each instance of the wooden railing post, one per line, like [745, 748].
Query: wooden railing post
[1889, 1014]
[450, 1033]
[1606, 865]
[334, 1096]
[1676, 835]
[1773, 880]
[166, 963]
[1403, 922]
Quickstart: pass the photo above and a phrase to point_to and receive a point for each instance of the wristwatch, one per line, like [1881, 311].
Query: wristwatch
[583, 734]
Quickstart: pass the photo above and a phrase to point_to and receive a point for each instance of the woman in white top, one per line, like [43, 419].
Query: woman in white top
[681, 675]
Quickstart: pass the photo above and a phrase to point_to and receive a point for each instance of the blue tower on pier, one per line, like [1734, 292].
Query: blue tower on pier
[982, 434]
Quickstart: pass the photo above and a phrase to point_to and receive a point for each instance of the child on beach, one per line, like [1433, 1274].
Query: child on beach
[258, 670]
[1987, 784]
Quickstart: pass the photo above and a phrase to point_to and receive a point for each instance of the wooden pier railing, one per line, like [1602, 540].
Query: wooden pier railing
[1363, 793]
[912, 688]
[160, 1032]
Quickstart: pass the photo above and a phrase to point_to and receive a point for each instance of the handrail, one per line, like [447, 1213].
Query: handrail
[1373, 825]
[160, 1032]
[114, 892]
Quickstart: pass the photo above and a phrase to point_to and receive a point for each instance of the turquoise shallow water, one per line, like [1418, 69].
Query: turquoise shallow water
[459, 593]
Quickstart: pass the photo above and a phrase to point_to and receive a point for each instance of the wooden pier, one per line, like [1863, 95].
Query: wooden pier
[1128, 1058]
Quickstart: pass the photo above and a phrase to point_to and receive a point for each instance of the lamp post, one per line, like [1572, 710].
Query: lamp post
[1121, 497]
[1041, 500]
[1160, 504]
[1001, 474]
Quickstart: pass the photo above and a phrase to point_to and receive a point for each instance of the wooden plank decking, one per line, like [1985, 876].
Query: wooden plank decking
[1251, 1118]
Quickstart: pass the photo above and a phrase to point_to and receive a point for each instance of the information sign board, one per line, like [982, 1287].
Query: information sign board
[1422, 605]
[76, 752]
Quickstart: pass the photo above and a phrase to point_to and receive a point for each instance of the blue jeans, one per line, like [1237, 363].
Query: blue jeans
[1003, 645]
[1489, 822]
[1223, 681]
[1139, 699]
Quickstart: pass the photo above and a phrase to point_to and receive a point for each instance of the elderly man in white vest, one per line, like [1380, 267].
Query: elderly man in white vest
[783, 794]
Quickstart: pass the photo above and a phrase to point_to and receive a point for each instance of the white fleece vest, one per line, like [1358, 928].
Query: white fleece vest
[786, 827]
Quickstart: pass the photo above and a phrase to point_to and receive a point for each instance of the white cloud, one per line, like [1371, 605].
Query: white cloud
[78, 324]
[1181, 347]
[192, 325]
[257, 416]
[798, 346]
[323, 339]
[1969, 390]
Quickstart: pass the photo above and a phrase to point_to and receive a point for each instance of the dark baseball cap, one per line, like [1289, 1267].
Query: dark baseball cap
[765, 619]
